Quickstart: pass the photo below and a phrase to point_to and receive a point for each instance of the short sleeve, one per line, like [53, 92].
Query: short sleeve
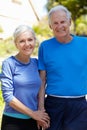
[41, 64]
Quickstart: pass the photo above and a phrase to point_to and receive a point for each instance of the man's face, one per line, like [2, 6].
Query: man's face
[60, 24]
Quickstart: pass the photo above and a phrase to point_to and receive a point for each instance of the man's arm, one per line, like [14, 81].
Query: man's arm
[41, 95]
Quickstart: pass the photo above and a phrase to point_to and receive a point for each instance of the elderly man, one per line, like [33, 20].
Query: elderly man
[63, 70]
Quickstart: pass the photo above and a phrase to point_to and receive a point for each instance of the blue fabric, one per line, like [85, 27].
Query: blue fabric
[17, 115]
[65, 66]
[21, 81]
[67, 113]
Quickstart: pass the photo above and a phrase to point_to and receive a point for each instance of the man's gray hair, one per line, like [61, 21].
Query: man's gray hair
[59, 8]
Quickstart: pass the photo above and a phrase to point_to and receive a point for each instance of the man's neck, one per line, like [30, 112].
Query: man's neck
[65, 39]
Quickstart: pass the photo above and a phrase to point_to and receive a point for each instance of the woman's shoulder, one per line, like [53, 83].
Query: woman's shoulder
[9, 60]
[34, 60]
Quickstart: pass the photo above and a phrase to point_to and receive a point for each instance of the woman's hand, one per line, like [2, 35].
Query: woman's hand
[42, 118]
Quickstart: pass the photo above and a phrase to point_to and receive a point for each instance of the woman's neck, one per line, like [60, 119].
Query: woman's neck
[22, 58]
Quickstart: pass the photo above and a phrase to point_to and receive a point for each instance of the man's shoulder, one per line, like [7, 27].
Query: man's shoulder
[81, 38]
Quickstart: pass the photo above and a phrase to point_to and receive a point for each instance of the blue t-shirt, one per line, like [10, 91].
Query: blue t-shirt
[65, 66]
[21, 81]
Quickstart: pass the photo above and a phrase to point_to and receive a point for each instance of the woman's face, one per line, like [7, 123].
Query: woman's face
[25, 43]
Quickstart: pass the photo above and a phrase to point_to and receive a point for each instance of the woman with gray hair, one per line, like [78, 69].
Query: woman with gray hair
[20, 85]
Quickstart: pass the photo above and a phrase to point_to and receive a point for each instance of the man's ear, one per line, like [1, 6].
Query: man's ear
[50, 26]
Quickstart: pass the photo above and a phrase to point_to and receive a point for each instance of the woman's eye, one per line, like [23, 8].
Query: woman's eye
[22, 41]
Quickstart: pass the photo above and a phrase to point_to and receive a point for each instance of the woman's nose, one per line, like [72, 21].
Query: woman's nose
[27, 43]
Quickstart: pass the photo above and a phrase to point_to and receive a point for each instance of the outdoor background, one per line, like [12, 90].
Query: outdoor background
[34, 13]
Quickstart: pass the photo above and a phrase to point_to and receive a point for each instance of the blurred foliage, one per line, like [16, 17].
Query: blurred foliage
[35, 49]
[42, 29]
[7, 47]
[81, 25]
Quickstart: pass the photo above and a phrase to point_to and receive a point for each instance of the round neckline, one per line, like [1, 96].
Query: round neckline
[68, 43]
[22, 62]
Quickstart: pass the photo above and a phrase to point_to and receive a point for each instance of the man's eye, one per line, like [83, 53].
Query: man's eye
[62, 21]
[30, 39]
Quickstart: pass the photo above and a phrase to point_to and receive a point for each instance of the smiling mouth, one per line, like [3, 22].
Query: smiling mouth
[28, 49]
[60, 31]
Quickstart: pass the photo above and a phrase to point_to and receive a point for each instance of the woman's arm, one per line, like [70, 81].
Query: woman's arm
[37, 115]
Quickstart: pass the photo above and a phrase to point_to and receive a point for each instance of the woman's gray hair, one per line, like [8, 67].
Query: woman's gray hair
[59, 8]
[22, 28]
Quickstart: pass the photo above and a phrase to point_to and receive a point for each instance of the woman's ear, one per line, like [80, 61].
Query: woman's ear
[16, 44]
[70, 21]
